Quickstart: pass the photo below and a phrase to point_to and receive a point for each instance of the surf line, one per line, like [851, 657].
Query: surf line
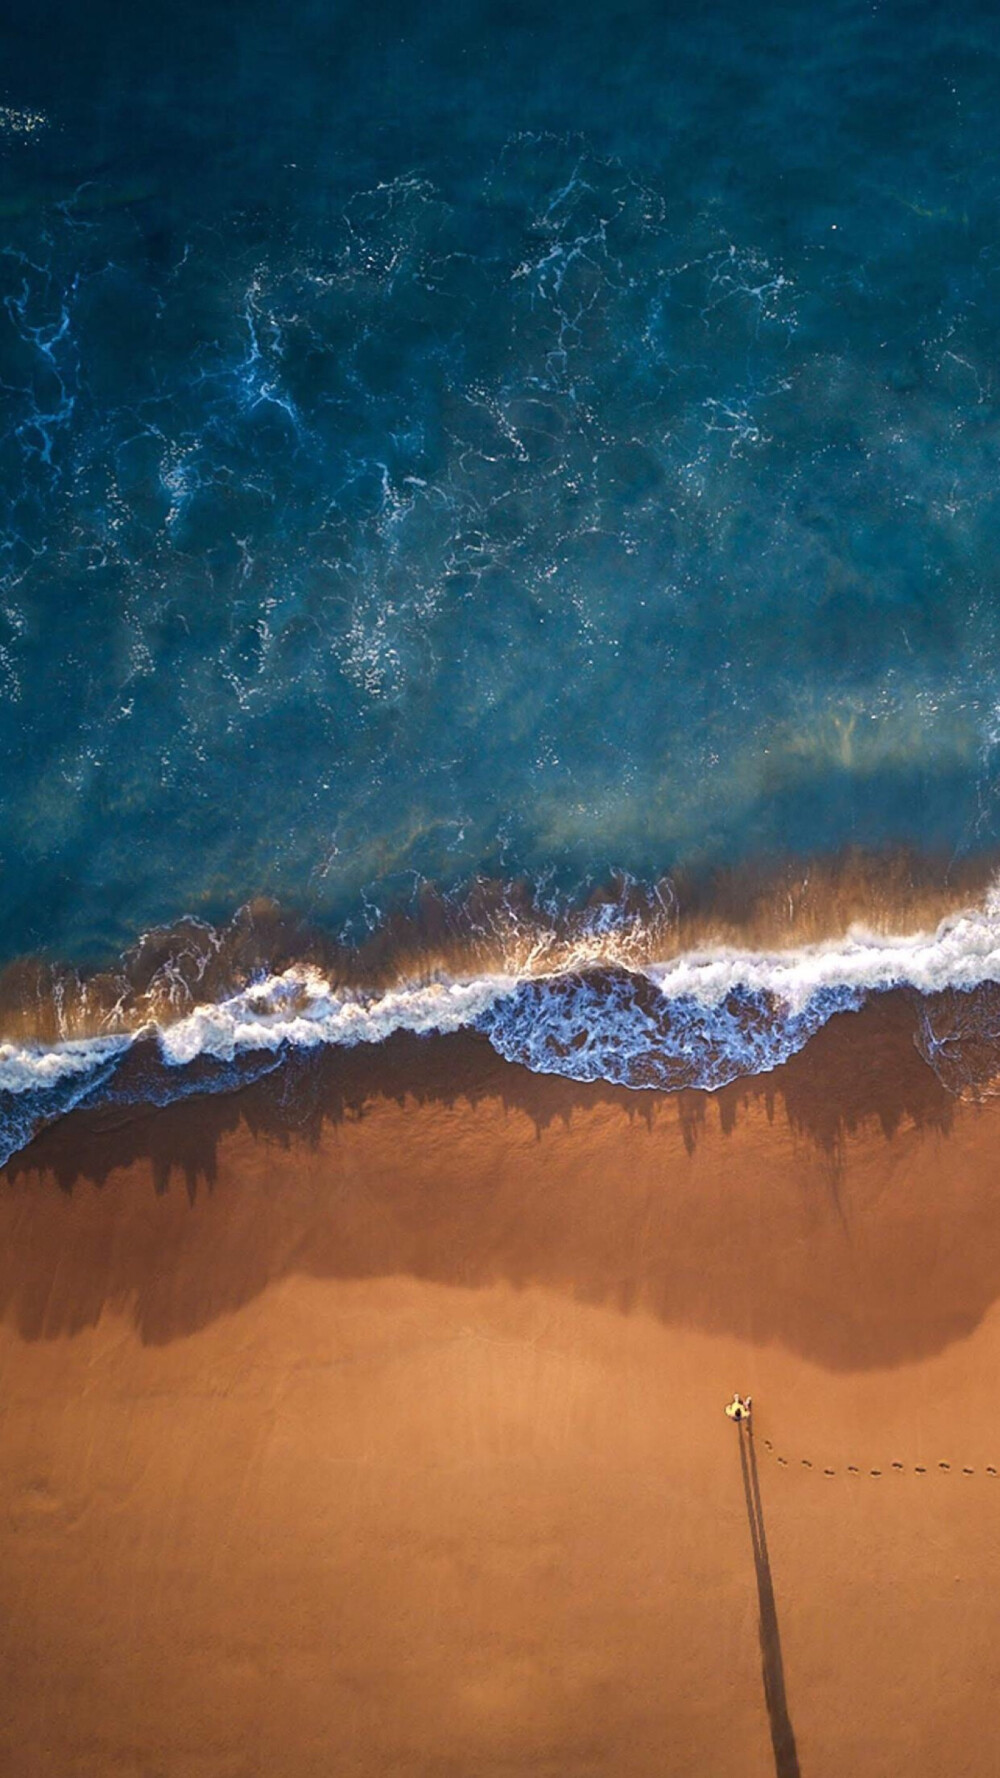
[894, 1468]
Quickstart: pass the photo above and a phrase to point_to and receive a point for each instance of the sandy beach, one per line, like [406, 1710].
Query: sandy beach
[377, 1429]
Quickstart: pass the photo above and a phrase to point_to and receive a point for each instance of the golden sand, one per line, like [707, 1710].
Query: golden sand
[396, 1446]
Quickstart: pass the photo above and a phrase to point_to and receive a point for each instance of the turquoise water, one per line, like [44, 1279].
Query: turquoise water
[471, 441]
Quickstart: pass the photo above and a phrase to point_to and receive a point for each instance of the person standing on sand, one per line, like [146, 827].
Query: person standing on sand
[739, 1407]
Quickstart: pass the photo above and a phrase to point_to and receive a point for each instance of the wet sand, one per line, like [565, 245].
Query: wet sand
[370, 1422]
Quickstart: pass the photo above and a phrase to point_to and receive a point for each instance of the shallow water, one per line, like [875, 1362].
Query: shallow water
[440, 444]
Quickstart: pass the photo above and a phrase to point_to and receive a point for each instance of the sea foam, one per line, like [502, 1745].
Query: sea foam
[701, 1019]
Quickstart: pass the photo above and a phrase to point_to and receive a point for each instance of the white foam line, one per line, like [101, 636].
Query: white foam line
[964, 952]
[301, 1009]
[33, 1067]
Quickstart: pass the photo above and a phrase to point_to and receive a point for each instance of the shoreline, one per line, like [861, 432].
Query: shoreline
[704, 1021]
[495, 928]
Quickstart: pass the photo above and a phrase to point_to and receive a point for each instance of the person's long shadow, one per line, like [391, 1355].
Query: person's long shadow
[786, 1759]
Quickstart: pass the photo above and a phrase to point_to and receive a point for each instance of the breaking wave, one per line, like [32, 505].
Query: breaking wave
[594, 1009]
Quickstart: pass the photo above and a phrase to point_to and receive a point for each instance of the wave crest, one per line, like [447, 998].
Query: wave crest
[586, 1000]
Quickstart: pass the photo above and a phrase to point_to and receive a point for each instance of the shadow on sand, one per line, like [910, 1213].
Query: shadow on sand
[434, 1159]
[860, 1070]
[786, 1759]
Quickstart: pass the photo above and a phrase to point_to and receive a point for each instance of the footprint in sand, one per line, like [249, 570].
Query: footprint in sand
[829, 1472]
[852, 1469]
[968, 1471]
[806, 1463]
[990, 1469]
[918, 1469]
[944, 1465]
[875, 1472]
[897, 1466]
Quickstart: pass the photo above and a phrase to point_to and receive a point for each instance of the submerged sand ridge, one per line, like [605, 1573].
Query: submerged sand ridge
[395, 1444]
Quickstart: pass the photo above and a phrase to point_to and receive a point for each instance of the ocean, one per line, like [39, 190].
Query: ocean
[498, 529]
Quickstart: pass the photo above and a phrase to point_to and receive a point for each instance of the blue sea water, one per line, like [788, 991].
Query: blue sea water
[455, 442]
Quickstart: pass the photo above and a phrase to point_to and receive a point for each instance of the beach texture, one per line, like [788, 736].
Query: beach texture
[392, 1442]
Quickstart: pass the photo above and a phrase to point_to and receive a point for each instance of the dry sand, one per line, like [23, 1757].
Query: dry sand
[381, 1433]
